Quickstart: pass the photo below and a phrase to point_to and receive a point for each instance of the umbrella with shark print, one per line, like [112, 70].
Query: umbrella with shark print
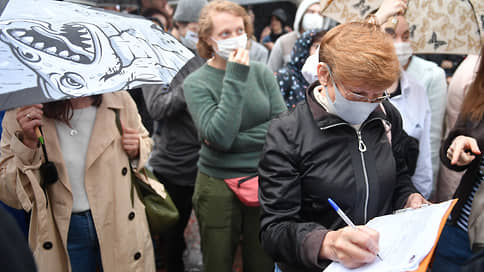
[52, 50]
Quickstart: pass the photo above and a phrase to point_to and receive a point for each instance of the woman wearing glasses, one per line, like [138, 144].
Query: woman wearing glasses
[344, 142]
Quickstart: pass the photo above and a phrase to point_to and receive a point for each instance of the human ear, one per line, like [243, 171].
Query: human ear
[323, 73]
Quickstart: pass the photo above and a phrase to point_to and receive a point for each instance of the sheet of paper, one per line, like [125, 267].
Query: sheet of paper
[405, 239]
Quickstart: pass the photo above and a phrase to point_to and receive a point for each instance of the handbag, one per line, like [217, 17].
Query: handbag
[160, 210]
[246, 189]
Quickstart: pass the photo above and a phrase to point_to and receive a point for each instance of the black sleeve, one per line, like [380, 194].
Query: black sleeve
[458, 129]
[284, 235]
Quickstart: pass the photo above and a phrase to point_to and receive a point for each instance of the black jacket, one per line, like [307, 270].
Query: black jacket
[310, 156]
[471, 129]
[175, 153]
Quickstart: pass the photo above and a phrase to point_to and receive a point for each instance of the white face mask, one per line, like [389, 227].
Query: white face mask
[310, 68]
[312, 21]
[190, 40]
[404, 52]
[227, 46]
[353, 112]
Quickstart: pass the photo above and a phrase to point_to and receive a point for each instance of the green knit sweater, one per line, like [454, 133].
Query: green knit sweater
[232, 110]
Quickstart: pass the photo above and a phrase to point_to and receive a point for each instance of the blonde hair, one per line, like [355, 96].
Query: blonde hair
[206, 25]
[360, 55]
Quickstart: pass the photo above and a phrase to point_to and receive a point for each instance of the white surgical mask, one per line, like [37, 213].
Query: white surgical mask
[353, 112]
[312, 21]
[310, 68]
[404, 52]
[190, 40]
[227, 46]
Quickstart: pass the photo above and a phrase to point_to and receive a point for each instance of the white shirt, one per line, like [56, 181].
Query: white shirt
[73, 143]
[432, 78]
[415, 110]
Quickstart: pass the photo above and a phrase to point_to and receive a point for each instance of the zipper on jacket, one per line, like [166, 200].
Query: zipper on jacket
[362, 148]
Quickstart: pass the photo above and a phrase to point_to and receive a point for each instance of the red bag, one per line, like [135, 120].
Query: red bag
[246, 189]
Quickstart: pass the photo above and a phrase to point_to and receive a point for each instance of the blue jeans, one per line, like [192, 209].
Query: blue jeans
[452, 250]
[276, 269]
[82, 244]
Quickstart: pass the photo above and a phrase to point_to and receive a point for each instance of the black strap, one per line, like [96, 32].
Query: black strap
[246, 179]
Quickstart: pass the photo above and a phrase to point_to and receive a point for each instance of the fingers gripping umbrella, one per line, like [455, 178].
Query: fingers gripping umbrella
[51, 50]
[437, 26]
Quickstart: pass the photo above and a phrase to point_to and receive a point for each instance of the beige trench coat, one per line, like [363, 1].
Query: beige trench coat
[122, 230]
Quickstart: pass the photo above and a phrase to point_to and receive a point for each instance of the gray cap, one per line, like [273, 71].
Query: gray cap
[189, 10]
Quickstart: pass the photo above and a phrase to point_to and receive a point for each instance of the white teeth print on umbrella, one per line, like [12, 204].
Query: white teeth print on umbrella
[53, 50]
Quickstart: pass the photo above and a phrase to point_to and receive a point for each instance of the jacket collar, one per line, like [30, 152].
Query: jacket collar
[324, 118]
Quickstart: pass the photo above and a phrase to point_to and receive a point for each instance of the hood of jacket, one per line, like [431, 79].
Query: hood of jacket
[305, 4]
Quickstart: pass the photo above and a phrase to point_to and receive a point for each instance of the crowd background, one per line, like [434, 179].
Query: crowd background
[287, 69]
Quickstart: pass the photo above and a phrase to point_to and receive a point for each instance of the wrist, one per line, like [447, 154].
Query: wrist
[327, 250]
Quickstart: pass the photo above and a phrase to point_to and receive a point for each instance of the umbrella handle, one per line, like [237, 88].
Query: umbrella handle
[39, 135]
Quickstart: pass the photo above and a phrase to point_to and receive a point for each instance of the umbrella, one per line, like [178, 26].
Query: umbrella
[437, 26]
[52, 50]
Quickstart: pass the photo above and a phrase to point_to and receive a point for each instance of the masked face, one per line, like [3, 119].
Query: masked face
[190, 39]
[404, 52]
[353, 112]
[227, 46]
[312, 21]
[310, 68]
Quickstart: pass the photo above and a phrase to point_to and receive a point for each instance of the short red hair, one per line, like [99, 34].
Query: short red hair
[360, 55]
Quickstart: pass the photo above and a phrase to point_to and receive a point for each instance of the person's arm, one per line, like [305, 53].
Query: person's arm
[164, 102]
[219, 122]
[390, 8]
[253, 139]
[139, 145]
[19, 167]
[278, 105]
[454, 152]
[437, 94]
[284, 234]
[276, 57]
[423, 173]
[404, 187]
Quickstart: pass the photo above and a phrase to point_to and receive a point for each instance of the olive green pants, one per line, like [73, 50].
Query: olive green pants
[224, 221]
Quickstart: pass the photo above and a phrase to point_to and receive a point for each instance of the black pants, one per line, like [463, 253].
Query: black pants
[173, 240]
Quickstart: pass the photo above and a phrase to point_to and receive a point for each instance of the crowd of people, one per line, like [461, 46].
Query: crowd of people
[322, 109]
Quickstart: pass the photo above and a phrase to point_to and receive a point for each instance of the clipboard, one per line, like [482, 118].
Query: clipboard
[424, 264]
[397, 250]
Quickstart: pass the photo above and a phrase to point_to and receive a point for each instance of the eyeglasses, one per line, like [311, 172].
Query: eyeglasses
[358, 97]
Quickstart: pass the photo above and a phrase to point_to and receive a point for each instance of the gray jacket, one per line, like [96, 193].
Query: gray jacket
[175, 153]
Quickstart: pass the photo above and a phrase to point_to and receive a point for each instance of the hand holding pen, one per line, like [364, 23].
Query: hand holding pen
[352, 246]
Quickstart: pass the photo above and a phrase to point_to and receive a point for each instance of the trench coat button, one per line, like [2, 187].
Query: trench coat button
[124, 171]
[131, 216]
[47, 245]
[137, 256]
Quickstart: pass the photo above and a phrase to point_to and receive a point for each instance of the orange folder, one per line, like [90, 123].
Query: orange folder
[425, 262]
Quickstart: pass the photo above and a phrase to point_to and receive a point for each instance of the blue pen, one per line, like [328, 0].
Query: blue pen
[345, 218]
